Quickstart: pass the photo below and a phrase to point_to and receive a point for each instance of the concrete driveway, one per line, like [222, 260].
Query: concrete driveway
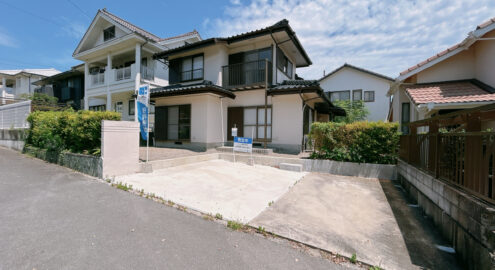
[235, 190]
[351, 215]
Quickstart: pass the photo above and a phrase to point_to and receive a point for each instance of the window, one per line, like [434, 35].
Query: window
[173, 122]
[405, 117]
[192, 68]
[357, 94]
[131, 106]
[65, 95]
[369, 96]
[283, 63]
[340, 95]
[119, 107]
[109, 33]
[254, 122]
[98, 108]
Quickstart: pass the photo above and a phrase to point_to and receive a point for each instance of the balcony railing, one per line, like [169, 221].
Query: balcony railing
[123, 73]
[247, 74]
[97, 79]
[147, 73]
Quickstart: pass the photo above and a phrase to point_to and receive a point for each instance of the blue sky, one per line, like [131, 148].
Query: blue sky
[385, 36]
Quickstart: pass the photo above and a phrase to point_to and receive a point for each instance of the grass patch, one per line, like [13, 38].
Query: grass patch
[218, 216]
[234, 225]
[353, 258]
[270, 203]
[123, 186]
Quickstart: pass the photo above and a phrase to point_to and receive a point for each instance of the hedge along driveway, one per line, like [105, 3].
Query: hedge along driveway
[78, 132]
[362, 142]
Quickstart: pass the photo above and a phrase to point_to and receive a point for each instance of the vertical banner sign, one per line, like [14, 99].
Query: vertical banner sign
[142, 104]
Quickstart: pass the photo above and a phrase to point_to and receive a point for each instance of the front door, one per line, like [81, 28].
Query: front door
[235, 118]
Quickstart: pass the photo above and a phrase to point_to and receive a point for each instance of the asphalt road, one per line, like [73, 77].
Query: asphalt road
[54, 218]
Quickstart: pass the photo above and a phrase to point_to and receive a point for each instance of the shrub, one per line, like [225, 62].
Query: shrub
[78, 132]
[363, 142]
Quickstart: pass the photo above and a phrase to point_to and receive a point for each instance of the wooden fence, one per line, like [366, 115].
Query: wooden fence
[455, 149]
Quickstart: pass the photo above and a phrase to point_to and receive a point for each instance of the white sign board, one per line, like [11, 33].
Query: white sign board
[242, 144]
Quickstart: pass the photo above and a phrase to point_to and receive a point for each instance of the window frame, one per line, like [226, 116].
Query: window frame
[98, 108]
[403, 127]
[182, 59]
[179, 124]
[107, 31]
[370, 100]
[257, 124]
[287, 62]
[133, 107]
[117, 104]
[339, 92]
[357, 91]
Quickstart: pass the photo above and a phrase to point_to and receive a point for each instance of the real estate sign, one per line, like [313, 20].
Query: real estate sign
[142, 104]
[242, 144]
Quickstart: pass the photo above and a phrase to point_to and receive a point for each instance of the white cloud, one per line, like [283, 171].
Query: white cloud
[6, 40]
[383, 36]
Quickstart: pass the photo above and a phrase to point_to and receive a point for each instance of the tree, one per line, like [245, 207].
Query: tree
[355, 111]
[43, 102]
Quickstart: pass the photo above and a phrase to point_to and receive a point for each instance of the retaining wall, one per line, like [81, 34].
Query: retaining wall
[90, 165]
[13, 138]
[467, 222]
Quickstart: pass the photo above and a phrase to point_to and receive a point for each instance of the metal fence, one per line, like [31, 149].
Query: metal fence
[14, 114]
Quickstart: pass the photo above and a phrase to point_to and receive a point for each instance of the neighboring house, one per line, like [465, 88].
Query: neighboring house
[245, 81]
[67, 87]
[117, 58]
[460, 77]
[350, 82]
[19, 81]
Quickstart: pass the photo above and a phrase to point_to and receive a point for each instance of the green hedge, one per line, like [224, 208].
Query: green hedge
[363, 142]
[78, 132]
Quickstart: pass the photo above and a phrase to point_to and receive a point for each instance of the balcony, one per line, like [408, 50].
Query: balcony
[147, 73]
[247, 74]
[97, 79]
[123, 73]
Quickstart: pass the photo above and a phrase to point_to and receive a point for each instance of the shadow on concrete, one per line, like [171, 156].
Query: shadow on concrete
[419, 233]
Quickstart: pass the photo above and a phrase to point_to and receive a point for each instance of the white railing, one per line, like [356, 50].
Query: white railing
[97, 79]
[147, 73]
[15, 115]
[9, 90]
[123, 73]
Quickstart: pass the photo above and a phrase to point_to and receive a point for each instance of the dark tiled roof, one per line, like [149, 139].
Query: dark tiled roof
[358, 69]
[140, 31]
[305, 86]
[189, 89]
[279, 26]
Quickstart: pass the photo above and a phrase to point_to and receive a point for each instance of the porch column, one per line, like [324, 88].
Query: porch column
[4, 89]
[138, 77]
[86, 75]
[107, 81]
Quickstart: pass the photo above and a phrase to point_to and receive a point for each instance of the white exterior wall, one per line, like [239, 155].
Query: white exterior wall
[287, 125]
[458, 67]
[351, 79]
[484, 56]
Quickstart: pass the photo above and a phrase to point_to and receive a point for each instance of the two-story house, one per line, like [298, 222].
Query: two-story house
[117, 58]
[246, 81]
[460, 77]
[19, 81]
[353, 83]
[67, 87]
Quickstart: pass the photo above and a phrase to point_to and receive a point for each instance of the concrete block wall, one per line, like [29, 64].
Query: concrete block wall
[13, 138]
[467, 222]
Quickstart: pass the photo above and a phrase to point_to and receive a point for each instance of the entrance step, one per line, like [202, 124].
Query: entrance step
[262, 151]
[291, 167]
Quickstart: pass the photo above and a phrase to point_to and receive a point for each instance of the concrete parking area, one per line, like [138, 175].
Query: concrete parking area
[237, 191]
[352, 215]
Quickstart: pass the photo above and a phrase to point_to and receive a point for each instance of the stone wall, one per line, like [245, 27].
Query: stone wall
[467, 222]
[90, 165]
[13, 138]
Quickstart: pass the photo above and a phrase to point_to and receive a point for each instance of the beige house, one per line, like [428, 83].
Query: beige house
[460, 77]
[245, 81]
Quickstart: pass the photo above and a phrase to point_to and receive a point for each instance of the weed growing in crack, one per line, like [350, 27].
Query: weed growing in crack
[234, 225]
[218, 216]
[270, 203]
[123, 186]
[353, 258]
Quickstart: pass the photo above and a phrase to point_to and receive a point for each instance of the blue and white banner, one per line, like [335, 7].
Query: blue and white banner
[142, 107]
[242, 144]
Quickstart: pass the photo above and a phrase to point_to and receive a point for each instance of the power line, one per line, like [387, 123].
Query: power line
[80, 9]
[32, 14]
